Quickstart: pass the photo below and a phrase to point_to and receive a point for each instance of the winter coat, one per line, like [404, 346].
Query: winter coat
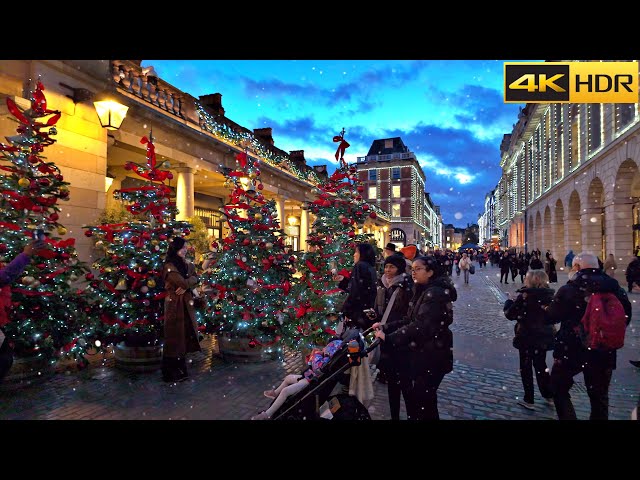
[632, 273]
[505, 264]
[568, 259]
[464, 263]
[568, 307]
[389, 359]
[536, 264]
[424, 332]
[531, 330]
[610, 266]
[361, 290]
[180, 327]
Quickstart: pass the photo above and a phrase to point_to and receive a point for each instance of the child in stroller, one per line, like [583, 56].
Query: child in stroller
[296, 383]
[299, 396]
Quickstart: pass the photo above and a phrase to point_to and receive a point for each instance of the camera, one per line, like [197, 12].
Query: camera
[38, 234]
[369, 312]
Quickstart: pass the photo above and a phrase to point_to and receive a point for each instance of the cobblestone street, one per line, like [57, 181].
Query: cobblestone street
[485, 383]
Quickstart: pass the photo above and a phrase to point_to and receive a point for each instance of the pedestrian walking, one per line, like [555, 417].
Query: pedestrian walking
[570, 356]
[533, 337]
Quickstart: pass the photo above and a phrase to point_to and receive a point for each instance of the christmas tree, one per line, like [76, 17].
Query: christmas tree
[129, 284]
[48, 312]
[339, 210]
[252, 275]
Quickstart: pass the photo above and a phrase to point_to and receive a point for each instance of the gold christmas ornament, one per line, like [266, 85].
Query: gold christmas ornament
[62, 231]
[28, 280]
[151, 283]
[258, 216]
[122, 284]
[24, 182]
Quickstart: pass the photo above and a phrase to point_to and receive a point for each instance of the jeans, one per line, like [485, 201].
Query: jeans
[466, 275]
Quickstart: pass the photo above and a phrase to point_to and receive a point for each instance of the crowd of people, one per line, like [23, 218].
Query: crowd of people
[407, 298]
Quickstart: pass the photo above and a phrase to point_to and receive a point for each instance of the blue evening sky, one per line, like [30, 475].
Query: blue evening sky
[450, 113]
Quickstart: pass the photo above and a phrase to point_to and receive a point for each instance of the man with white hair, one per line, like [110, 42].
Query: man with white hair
[570, 356]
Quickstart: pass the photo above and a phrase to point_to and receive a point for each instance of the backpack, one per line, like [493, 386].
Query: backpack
[604, 322]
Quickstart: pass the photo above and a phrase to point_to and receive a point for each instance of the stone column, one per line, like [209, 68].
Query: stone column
[184, 193]
[591, 223]
[619, 235]
[280, 211]
[115, 185]
[304, 229]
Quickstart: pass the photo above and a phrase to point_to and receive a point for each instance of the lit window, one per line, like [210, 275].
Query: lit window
[395, 210]
[373, 193]
[395, 191]
[373, 174]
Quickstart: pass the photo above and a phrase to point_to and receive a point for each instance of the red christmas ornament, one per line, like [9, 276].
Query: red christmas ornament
[88, 233]
[54, 217]
[373, 215]
[3, 247]
[365, 207]
[89, 276]
[162, 237]
[292, 258]
[253, 344]
[360, 188]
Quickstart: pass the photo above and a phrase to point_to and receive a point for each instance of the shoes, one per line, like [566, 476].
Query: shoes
[261, 416]
[270, 394]
[549, 400]
[635, 363]
[527, 405]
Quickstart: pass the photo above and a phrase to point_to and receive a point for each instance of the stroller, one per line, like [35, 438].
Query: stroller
[305, 405]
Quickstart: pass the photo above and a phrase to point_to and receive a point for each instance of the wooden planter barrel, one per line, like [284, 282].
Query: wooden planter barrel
[138, 359]
[27, 371]
[237, 349]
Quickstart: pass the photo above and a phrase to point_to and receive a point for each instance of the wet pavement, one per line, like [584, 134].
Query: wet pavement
[485, 383]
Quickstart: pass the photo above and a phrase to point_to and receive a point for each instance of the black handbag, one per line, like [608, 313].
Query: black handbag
[472, 269]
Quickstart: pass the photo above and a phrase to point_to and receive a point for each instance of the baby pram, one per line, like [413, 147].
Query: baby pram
[305, 405]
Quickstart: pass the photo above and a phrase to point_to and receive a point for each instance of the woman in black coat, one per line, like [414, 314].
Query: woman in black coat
[533, 337]
[423, 335]
[361, 287]
[397, 285]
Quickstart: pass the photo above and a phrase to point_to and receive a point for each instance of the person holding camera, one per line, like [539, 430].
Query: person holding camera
[8, 274]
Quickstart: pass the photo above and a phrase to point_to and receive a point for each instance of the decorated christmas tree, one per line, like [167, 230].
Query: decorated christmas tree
[252, 275]
[129, 284]
[48, 314]
[339, 211]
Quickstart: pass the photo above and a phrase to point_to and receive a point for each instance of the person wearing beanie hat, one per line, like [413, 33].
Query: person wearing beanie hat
[398, 261]
[392, 362]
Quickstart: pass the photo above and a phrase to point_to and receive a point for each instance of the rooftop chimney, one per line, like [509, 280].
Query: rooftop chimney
[214, 102]
[297, 156]
[264, 135]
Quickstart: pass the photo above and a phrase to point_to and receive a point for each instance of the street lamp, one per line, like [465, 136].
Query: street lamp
[111, 113]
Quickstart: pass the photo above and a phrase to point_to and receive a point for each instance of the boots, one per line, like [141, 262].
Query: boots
[173, 369]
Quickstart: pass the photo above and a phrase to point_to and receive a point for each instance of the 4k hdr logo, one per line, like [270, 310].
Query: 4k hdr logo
[571, 82]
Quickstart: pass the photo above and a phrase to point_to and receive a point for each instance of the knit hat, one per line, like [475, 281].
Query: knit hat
[390, 246]
[409, 251]
[398, 261]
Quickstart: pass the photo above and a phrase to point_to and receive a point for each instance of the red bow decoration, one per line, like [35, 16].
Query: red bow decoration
[341, 148]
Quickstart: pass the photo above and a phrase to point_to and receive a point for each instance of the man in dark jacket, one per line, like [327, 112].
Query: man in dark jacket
[570, 357]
